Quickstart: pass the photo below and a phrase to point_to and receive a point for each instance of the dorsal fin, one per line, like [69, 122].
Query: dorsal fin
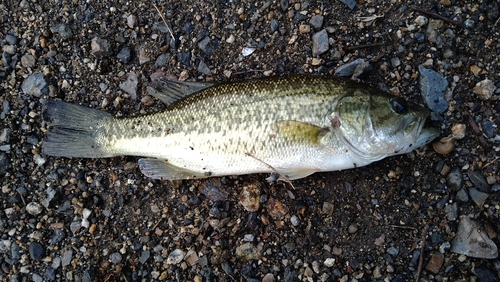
[169, 91]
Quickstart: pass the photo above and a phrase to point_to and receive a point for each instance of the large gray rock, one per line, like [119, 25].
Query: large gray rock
[320, 43]
[433, 87]
[35, 85]
[473, 242]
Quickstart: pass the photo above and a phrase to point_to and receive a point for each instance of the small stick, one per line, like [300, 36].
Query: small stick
[164, 21]
[434, 15]
[365, 46]
[477, 132]
[492, 162]
[421, 258]
[403, 227]
[273, 169]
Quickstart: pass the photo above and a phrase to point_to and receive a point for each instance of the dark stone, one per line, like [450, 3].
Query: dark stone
[488, 128]
[274, 25]
[35, 85]
[194, 201]
[454, 179]
[50, 274]
[4, 163]
[350, 3]
[63, 30]
[124, 55]
[184, 58]
[479, 181]
[11, 39]
[36, 250]
[420, 37]
[485, 275]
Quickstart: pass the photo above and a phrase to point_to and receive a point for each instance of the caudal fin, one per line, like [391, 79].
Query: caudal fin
[74, 131]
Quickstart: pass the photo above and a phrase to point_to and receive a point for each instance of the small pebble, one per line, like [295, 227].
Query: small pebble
[36, 251]
[304, 28]
[28, 61]
[34, 208]
[329, 262]
[144, 256]
[295, 220]
[435, 263]
[484, 89]
[11, 39]
[353, 228]
[100, 47]
[35, 85]
[63, 30]
[393, 251]
[175, 256]
[320, 43]
[231, 39]
[248, 252]
[328, 208]
[455, 179]
[67, 257]
[131, 21]
[130, 85]
[316, 21]
[477, 196]
[124, 55]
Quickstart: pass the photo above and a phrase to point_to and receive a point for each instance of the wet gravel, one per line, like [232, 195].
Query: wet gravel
[423, 215]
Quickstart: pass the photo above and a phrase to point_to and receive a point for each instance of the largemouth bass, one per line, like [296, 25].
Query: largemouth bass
[290, 126]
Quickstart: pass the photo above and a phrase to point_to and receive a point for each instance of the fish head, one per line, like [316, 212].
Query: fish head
[375, 125]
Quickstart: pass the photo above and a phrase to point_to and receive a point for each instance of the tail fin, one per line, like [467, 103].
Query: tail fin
[74, 131]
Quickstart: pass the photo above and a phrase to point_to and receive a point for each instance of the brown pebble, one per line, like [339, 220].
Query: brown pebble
[147, 101]
[435, 262]
[92, 228]
[250, 197]
[458, 131]
[304, 28]
[276, 209]
[43, 42]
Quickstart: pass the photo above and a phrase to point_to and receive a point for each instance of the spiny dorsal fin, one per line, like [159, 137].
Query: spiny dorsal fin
[169, 91]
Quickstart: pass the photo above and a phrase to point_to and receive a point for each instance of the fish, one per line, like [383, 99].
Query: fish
[289, 126]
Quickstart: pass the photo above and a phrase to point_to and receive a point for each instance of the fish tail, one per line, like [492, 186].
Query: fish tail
[74, 131]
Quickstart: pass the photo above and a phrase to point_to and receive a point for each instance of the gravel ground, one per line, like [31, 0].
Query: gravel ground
[426, 215]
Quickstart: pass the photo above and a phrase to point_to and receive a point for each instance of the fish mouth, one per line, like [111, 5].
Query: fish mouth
[425, 134]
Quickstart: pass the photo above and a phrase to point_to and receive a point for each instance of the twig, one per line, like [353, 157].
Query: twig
[284, 177]
[403, 227]
[477, 132]
[434, 15]
[365, 46]
[494, 161]
[421, 258]
[164, 21]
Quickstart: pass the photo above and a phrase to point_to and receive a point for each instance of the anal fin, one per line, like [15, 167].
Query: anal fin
[161, 169]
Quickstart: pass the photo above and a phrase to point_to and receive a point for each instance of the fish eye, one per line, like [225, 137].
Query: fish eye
[399, 105]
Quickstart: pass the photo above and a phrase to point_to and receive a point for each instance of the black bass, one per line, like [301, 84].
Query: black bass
[289, 126]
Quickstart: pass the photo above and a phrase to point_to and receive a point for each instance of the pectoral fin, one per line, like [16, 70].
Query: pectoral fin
[161, 169]
[169, 91]
[297, 131]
